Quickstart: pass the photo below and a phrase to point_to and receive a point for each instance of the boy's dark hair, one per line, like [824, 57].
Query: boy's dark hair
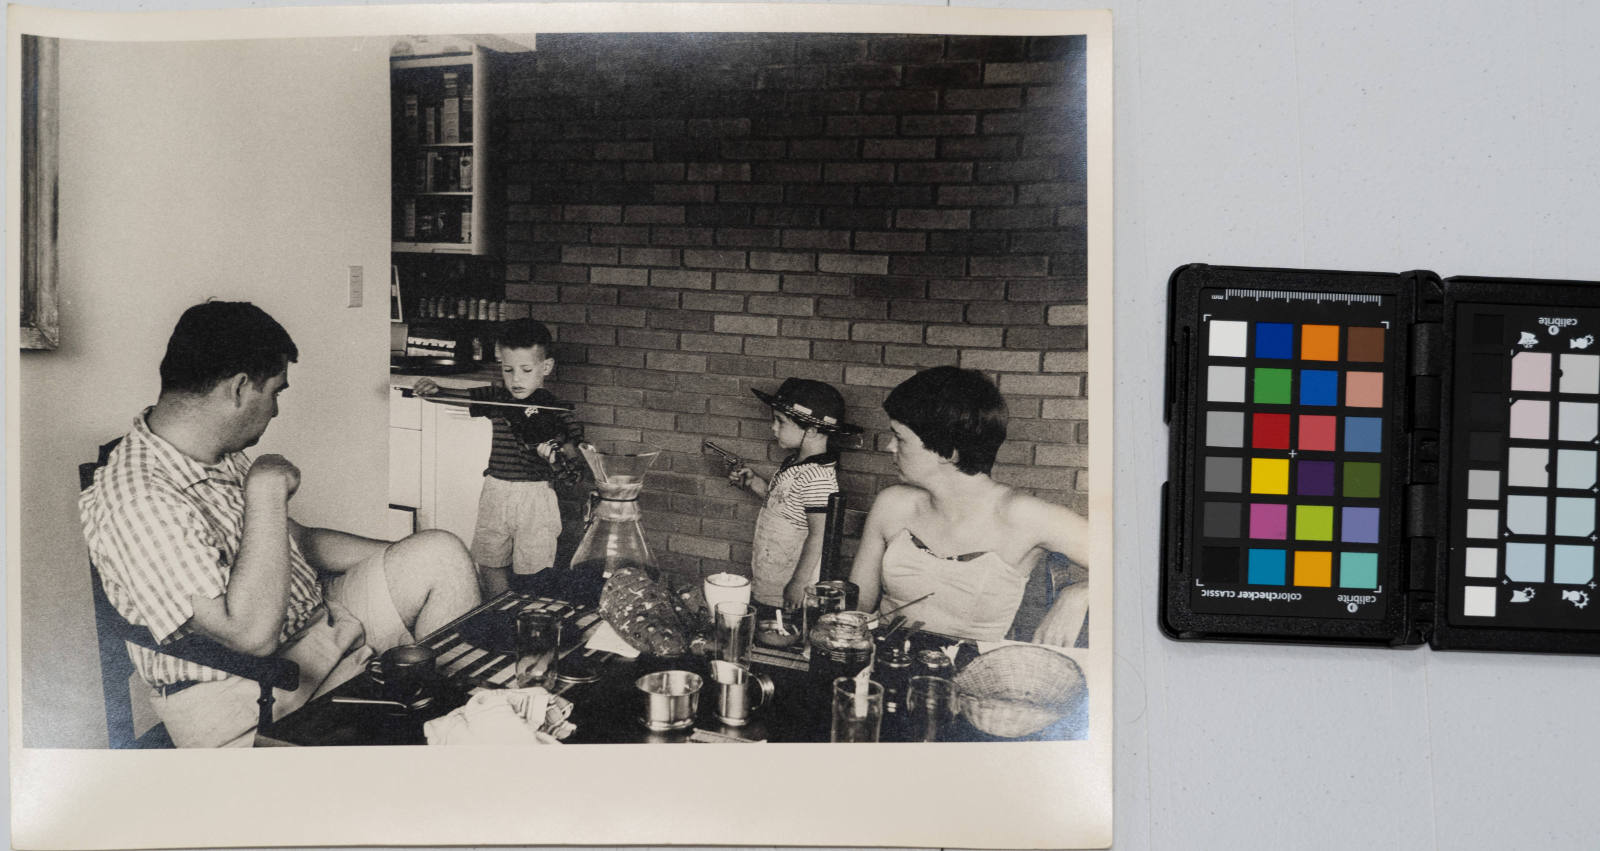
[216, 340]
[955, 412]
[525, 334]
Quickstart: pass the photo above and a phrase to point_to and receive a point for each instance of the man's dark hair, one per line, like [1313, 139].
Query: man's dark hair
[220, 339]
[525, 334]
[955, 412]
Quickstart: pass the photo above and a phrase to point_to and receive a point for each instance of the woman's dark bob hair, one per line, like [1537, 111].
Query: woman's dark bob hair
[957, 413]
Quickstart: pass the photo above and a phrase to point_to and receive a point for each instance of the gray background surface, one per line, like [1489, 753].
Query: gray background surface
[1457, 137]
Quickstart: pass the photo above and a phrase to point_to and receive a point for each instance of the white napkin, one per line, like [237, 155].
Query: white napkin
[520, 716]
[606, 638]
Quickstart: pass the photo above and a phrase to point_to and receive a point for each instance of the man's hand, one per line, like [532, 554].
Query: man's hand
[273, 472]
[425, 387]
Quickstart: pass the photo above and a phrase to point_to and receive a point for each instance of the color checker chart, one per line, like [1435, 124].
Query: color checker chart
[1371, 458]
[1526, 467]
[1293, 425]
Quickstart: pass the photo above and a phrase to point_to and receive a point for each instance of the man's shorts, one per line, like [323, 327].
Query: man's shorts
[518, 525]
[357, 620]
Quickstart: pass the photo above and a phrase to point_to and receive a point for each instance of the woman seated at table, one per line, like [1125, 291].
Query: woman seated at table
[952, 530]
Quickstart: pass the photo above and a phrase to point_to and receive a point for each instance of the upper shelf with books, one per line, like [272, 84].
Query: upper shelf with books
[441, 163]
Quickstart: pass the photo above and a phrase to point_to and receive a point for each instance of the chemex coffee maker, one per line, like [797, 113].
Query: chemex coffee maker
[612, 538]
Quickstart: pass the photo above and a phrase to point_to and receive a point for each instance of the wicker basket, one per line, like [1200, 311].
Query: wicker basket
[1019, 689]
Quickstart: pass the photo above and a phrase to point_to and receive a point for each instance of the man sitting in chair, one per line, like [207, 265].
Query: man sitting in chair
[191, 535]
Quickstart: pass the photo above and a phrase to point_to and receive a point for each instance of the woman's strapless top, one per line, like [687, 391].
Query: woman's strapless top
[975, 595]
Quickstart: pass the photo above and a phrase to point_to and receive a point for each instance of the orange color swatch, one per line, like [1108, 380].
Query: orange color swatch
[1319, 342]
[1313, 569]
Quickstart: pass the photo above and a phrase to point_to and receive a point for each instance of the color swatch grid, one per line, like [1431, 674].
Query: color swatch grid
[1527, 487]
[1294, 431]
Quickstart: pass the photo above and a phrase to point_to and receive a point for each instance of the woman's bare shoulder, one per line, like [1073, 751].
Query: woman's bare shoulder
[1024, 511]
[899, 500]
[1045, 523]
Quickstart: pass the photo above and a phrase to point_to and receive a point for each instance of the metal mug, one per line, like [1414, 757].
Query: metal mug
[405, 671]
[740, 691]
[671, 699]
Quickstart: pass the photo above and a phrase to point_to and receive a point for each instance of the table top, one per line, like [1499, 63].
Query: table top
[476, 652]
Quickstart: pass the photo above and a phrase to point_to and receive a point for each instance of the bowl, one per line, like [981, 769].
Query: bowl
[1019, 689]
[770, 633]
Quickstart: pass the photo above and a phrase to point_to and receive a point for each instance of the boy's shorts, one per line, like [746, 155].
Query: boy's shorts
[518, 524]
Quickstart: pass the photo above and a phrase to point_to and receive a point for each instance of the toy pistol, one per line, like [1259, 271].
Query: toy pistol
[733, 461]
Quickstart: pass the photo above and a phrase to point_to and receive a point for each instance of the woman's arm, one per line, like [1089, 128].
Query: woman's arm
[886, 517]
[1062, 530]
[1064, 621]
[1053, 527]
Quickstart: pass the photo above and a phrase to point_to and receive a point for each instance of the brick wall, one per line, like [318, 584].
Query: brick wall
[697, 215]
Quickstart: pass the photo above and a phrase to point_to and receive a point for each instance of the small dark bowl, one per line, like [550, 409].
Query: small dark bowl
[769, 635]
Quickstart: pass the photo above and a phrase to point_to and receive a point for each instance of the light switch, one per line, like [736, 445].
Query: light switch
[355, 286]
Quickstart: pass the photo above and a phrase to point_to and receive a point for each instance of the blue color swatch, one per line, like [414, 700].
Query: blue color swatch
[1274, 340]
[1363, 434]
[1319, 387]
[1267, 567]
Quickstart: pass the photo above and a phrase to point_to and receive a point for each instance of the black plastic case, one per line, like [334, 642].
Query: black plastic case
[1421, 572]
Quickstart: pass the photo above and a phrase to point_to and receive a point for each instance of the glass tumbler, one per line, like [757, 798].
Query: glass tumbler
[538, 648]
[930, 705]
[819, 600]
[857, 710]
[735, 631]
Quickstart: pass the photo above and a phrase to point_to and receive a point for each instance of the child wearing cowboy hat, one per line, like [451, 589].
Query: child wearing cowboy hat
[787, 549]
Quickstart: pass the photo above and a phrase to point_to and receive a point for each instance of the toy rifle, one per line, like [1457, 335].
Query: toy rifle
[464, 402]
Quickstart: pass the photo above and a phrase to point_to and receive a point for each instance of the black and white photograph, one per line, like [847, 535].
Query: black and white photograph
[405, 398]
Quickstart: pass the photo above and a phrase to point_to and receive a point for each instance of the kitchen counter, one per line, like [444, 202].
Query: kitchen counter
[460, 381]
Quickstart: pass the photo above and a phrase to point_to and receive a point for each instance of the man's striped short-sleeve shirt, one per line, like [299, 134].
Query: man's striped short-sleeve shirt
[162, 527]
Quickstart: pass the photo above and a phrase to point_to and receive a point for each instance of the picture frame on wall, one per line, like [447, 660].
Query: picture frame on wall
[40, 325]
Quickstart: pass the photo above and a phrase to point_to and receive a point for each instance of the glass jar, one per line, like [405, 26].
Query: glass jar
[841, 645]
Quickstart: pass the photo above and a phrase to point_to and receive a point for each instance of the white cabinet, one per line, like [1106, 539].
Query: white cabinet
[405, 449]
[455, 450]
[437, 454]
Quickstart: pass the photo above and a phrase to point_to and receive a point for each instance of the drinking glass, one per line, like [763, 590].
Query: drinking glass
[857, 710]
[538, 648]
[930, 705]
[735, 631]
[819, 600]
[726, 588]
